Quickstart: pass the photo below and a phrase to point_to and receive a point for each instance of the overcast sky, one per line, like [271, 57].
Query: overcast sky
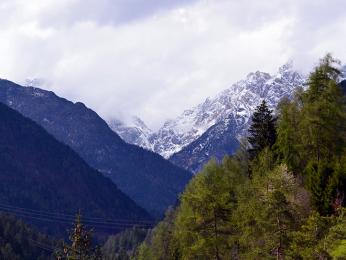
[155, 58]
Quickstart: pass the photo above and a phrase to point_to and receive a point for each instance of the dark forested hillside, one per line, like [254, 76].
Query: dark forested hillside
[18, 241]
[38, 172]
[151, 181]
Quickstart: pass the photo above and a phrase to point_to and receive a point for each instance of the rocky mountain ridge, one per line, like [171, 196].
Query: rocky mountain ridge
[237, 102]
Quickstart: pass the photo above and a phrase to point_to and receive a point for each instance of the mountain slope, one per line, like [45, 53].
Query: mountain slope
[151, 181]
[216, 142]
[233, 108]
[238, 101]
[40, 173]
[214, 127]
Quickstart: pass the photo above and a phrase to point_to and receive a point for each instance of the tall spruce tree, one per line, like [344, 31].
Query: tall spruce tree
[81, 244]
[262, 132]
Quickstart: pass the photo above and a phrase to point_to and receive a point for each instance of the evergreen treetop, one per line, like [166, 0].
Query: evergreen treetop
[81, 244]
[262, 131]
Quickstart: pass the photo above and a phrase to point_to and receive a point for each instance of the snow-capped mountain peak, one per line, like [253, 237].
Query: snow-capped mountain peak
[134, 131]
[237, 102]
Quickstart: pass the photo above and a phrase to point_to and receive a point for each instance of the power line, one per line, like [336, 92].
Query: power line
[98, 225]
[104, 225]
[41, 245]
[72, 217]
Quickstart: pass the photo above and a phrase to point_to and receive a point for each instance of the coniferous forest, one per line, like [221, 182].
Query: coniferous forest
[281, 196]
[172, 130]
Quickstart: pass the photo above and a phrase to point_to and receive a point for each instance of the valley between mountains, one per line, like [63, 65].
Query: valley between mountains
[58, 158]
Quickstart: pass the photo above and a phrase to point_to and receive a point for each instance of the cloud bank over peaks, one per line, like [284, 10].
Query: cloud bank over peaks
[153, 58]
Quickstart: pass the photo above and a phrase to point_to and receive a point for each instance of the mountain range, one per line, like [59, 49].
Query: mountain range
[215, 127]
[151, 181]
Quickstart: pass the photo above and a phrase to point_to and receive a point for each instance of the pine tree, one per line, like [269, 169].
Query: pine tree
[81, 244]
[262, 131]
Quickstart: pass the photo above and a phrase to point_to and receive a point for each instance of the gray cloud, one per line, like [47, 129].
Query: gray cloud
[155, 58]
[54, 13]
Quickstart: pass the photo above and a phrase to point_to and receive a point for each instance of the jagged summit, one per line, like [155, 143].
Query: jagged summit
[237, 102]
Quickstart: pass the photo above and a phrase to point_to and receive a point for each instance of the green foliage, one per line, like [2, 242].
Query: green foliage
[310, 241]
[288, 144]
[122, 246]
[160, 243]
[203, 221]
[320, 237]
[340, 250]
[312, 135]
[263, 163]
[259, 218]
[225, 215]
[326, 182]
[336, 238]
[269, 211]
[320, 79]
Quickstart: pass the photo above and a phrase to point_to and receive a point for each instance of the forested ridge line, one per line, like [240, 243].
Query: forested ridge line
[281, 196]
